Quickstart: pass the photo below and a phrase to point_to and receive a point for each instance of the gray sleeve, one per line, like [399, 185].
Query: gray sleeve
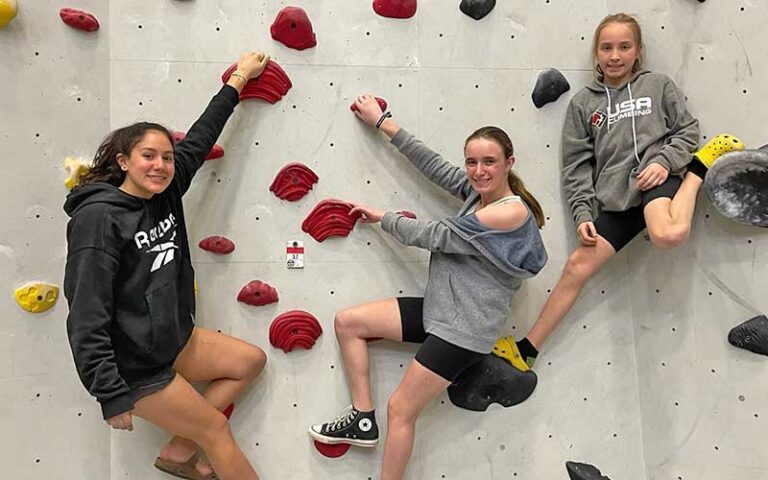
[430, 235]
[578, 165]
[445, 175]
[683, 137]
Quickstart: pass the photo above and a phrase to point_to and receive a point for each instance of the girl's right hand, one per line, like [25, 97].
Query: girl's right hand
[587, 234]
[251, 64]
[369, 110]
[122, 421]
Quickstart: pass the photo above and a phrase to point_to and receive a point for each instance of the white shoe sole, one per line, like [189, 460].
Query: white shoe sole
[335, 441]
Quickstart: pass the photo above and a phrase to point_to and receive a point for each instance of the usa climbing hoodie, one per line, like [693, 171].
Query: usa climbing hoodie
[128, 279]
[474, 270]
[611, 134]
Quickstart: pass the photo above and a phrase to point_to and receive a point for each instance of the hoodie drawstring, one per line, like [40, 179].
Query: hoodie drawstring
[634, 132]
[608, 94]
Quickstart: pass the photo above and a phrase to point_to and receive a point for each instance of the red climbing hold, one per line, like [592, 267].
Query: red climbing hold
[228, 411]
[293, 28]
[395, 8]
[294, 328]
[408, 214]
[216, 152]
[79, 19]
[332, 451]
[270, 86]
[381, 101]
[217, 244]
[293, 181]
[257, 293]
[330, 218]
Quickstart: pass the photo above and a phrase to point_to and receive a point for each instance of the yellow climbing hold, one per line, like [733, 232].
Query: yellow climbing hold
[506, 348]
[8, 10]
[76, 168]
[719, 145]
[37, 297]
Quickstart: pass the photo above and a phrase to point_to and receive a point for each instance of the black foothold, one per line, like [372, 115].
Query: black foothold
[737, 185]
[584, 471]
[549, 86]
[491, 380]
[477, 9]
[751, 335]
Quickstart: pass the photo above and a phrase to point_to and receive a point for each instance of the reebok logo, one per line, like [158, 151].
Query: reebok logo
[150, 242]
[166, 254]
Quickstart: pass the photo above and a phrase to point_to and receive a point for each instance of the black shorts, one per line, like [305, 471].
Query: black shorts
[619, 228]
[435, 354]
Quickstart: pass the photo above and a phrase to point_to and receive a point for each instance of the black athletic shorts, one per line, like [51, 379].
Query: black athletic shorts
[618, 228]
[435, 354]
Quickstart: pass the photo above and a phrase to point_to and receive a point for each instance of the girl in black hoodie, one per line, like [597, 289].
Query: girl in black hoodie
[130, 288]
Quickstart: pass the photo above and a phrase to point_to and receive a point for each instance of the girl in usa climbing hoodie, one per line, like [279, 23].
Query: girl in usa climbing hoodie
[128, 279]
[611, 134]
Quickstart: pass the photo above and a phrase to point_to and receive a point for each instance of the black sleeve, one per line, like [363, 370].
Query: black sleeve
[89, 288]
[190, 152]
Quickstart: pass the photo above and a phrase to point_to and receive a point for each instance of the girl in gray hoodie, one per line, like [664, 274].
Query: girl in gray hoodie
[627, 165]
[479, 259]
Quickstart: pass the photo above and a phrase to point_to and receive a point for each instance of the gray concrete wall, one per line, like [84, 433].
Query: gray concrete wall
[639, 380]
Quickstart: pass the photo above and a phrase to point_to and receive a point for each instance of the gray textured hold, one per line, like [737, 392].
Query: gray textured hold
[549, 86]
[491, 380]
[737, 185]
[477, 9]
[751, 335]
[584, 471]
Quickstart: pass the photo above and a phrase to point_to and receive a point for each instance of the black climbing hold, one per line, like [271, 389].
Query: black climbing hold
[751, 335]
[737, 185]
[549, 86]
[584, 471]
[477, 9]
[491, 380]
[764, 147]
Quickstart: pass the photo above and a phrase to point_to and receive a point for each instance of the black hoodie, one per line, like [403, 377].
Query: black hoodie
[129, 281]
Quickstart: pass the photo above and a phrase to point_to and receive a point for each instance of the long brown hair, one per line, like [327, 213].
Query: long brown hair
[634, 25]
[105, 167]
[515, 182]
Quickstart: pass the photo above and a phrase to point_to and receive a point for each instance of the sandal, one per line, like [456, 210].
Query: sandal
[186, 469]
[719, 145]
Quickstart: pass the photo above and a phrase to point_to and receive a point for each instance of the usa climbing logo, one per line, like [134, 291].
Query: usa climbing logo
[598, 118]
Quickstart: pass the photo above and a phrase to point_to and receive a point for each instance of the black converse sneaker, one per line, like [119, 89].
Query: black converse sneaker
[351, 426]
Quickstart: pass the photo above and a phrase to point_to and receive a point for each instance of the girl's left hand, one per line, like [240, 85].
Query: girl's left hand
[652, 176]
[368, 214]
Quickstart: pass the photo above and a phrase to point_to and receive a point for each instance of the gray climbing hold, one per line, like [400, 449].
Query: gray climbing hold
[751, 335]
[549, 86]
[491, 380]
[477, 9]
[764, 147]
[737, 185]
[584, 471]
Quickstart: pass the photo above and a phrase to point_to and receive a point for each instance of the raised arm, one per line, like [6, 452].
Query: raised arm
[190, 152]
[442, 173]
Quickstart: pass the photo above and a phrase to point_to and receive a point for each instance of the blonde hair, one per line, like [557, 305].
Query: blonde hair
[626, 19]
[515, 182]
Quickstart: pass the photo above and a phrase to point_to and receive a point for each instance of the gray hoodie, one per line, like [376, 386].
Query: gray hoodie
[611, 134]
[474, 270]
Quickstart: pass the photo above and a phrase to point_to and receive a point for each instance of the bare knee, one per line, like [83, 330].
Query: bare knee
[670, 237]
[579, 266]
[254, 362]
[398, 409]
[345, 324]
[214, 433]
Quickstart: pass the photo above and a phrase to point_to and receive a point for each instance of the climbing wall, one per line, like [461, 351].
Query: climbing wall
[639, 380]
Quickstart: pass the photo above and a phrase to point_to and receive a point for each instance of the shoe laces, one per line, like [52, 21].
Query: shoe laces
[343, 420]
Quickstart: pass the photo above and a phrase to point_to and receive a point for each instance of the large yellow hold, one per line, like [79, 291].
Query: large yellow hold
[37, 297]
[76, 168]
[8, 10]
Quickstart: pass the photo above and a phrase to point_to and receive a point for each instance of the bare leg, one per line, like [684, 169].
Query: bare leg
[418, 387]
[353, 326]
[579, 268]
[179, 409]
[228, 363]
[669, 220]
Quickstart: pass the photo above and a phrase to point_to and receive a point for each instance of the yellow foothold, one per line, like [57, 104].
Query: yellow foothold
[506, 348]
[195, 287]
[76, 167]
[37, 297]
[8, 11]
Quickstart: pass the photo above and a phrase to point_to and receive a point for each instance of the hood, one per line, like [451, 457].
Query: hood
[599, 87]
[100, 193]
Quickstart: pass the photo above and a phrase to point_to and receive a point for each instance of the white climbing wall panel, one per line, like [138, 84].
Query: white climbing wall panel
[639, 380]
